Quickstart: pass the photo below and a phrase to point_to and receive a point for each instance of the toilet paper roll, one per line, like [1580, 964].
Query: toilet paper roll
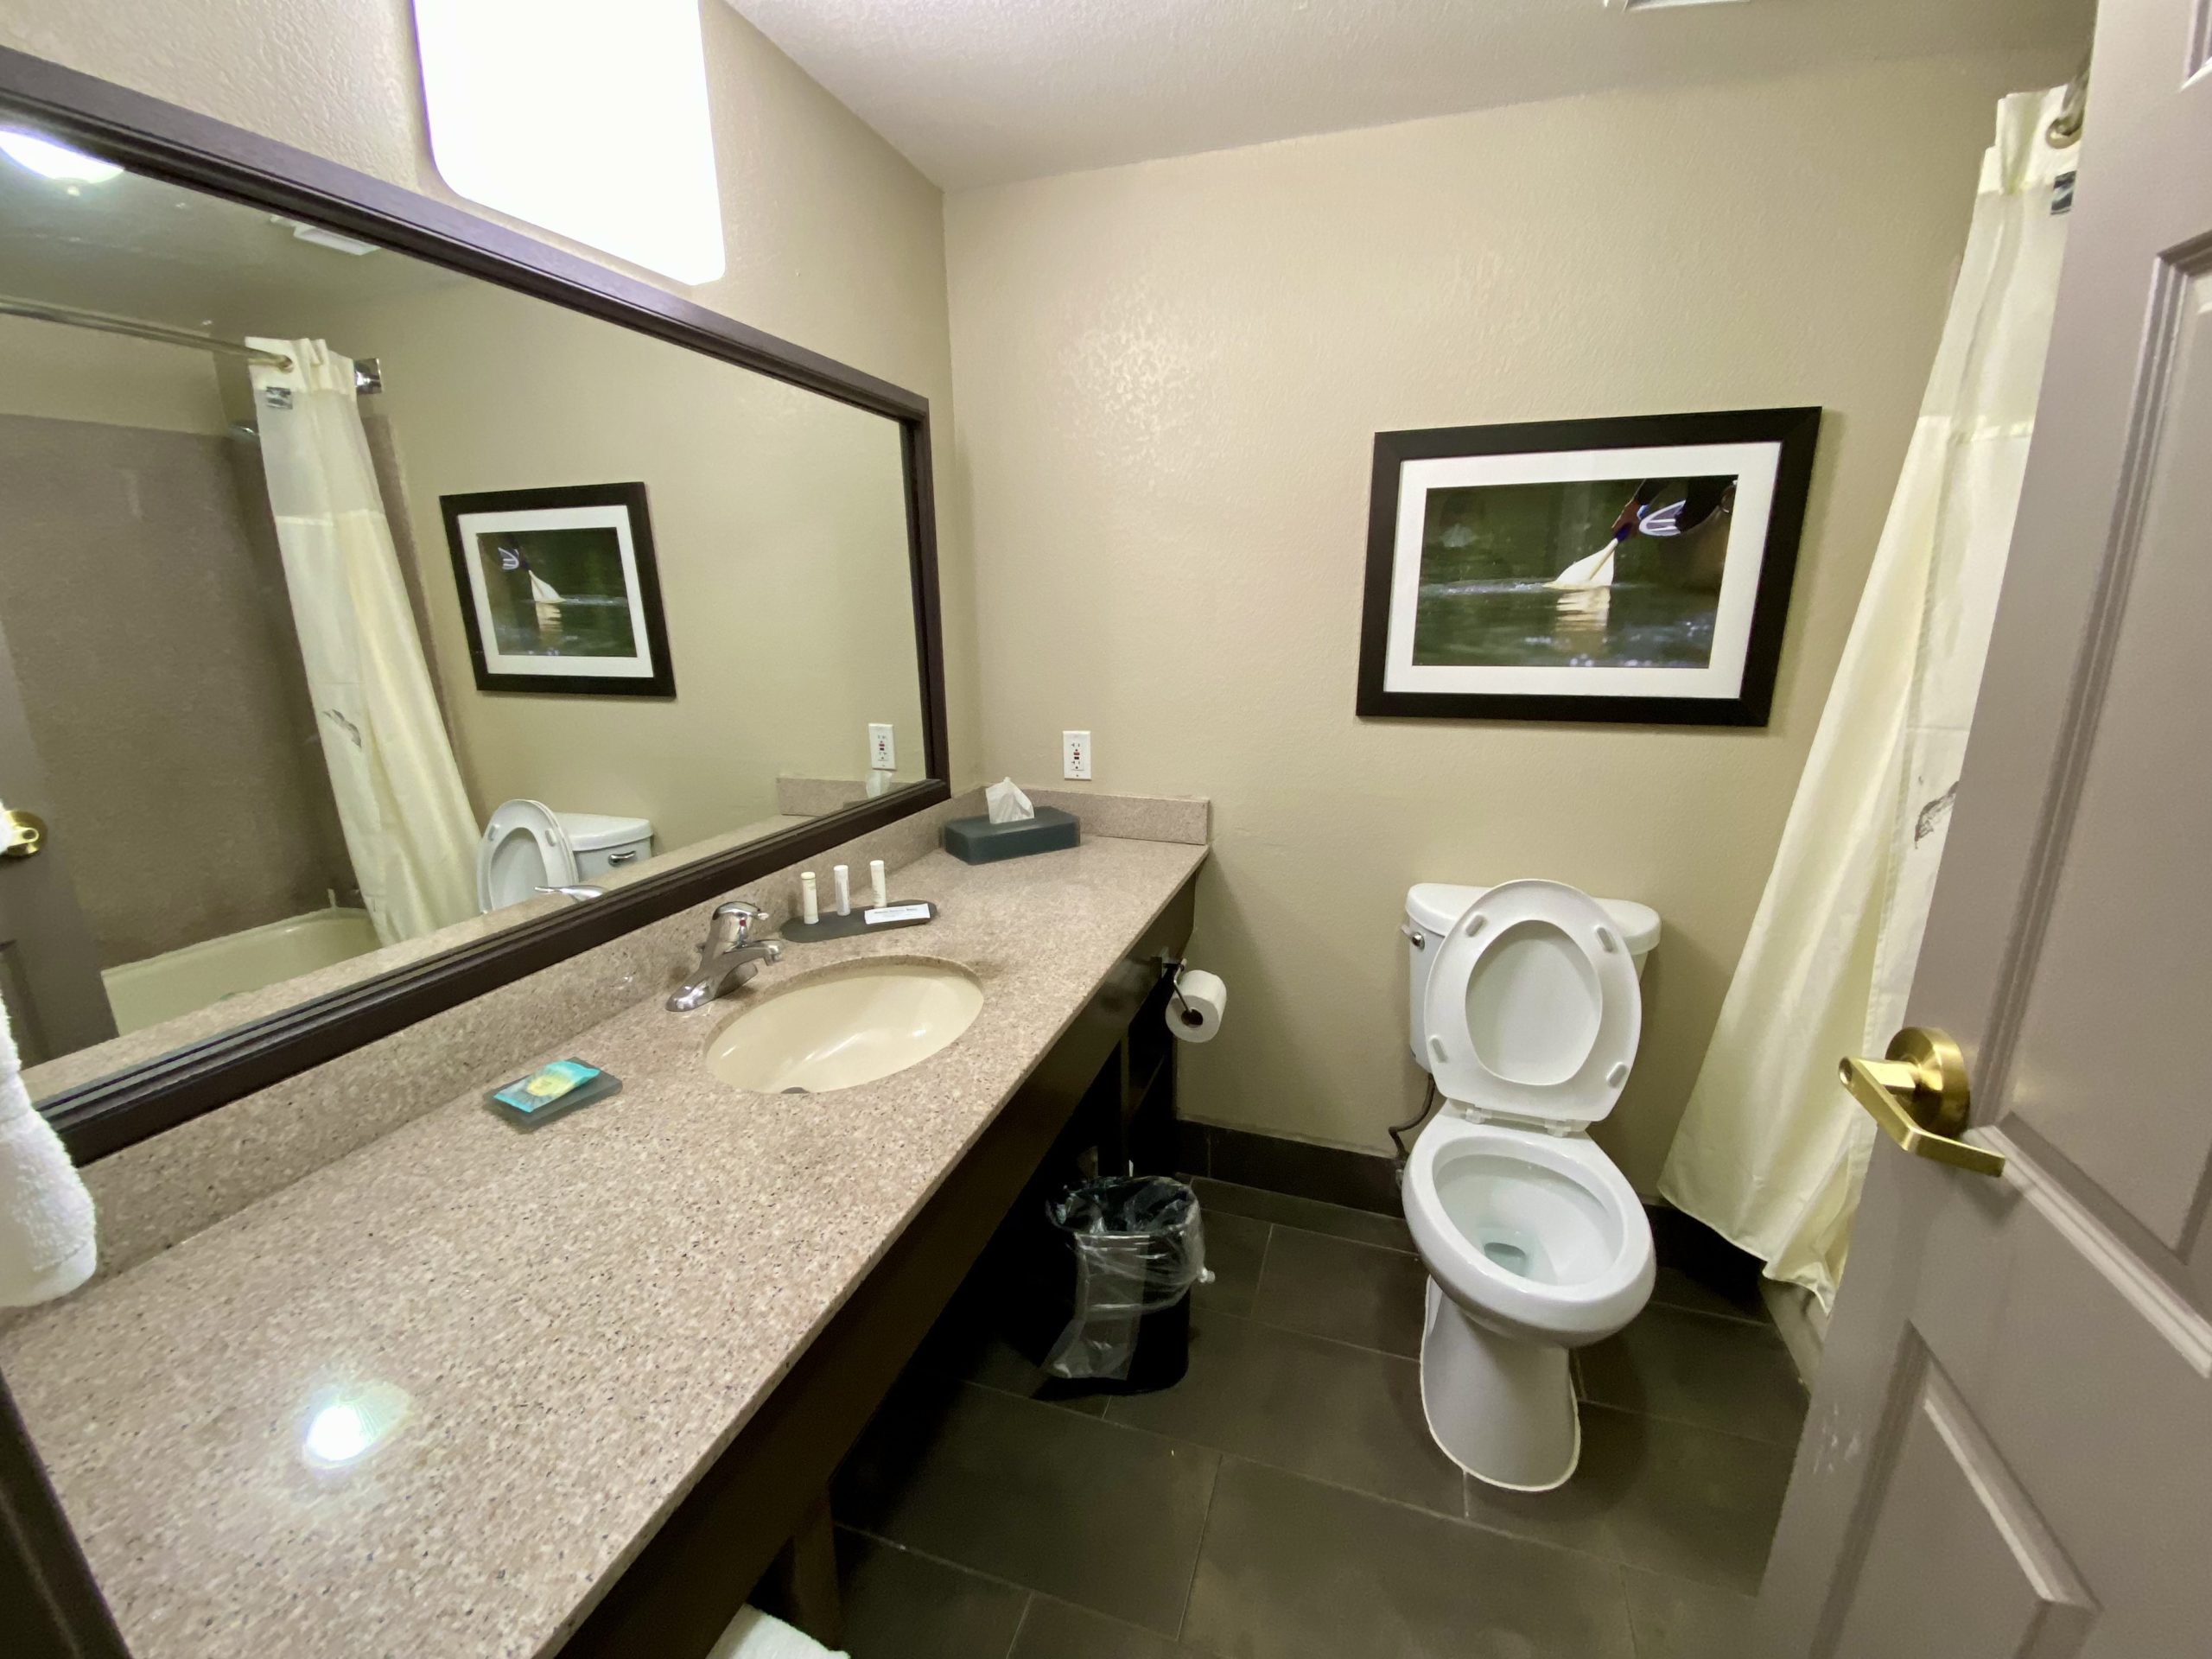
[1196, 1016]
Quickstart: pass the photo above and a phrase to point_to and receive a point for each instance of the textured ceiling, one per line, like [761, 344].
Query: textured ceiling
[979, 92]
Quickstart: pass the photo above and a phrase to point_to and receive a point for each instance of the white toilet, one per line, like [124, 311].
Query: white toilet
[527, 845]
[1527, 1011]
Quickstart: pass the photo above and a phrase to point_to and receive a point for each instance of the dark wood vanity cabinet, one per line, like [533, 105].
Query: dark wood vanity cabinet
[1103, 1094]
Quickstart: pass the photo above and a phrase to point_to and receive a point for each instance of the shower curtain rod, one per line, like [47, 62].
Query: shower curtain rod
[41, 311]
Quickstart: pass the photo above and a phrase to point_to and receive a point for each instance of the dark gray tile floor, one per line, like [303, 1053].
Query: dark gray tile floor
[1285, 1498]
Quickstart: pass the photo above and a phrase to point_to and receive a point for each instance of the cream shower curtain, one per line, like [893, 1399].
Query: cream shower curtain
[1771, 1152]
[406, 818]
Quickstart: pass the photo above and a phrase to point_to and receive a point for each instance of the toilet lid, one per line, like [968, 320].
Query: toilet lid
[1533, 1008]
[523, 848]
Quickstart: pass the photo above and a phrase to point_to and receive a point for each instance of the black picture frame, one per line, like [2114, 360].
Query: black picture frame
[161, 140]
[629, 500]
[1794, 431]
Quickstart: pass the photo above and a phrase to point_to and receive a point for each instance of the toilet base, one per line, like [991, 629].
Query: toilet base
[1500, 1408]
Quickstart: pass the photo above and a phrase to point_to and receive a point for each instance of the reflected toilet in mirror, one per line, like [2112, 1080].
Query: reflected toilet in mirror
[353, 607]
[529, 850]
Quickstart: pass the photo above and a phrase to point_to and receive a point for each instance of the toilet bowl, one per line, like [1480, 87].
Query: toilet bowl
[1528, 1014]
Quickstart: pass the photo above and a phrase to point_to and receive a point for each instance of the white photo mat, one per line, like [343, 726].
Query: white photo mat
[1754, 465]
[473, 525]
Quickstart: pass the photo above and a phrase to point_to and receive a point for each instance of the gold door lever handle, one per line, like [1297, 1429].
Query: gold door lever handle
[21, 834]
[1919, 1097]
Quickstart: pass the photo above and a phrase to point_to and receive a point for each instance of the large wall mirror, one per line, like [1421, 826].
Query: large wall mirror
[380, 589]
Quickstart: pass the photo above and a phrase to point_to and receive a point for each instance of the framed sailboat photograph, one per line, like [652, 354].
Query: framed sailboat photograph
[1635, 568]
[559, 591]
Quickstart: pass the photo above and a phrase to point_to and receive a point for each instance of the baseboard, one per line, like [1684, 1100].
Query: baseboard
[1304, 1169]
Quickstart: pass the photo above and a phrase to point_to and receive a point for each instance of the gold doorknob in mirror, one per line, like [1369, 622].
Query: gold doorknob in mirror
[1919, 1094]
[26, 834]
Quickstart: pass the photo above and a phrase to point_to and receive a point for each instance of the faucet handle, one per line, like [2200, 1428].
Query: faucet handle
[733, 921]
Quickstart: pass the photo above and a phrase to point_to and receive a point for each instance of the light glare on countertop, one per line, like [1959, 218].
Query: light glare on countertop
[346, 1427]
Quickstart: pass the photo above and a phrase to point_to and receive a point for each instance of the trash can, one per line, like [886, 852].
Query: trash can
[1136, 1246]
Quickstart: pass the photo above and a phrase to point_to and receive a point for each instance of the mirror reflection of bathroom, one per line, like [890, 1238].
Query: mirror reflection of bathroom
[352, 603]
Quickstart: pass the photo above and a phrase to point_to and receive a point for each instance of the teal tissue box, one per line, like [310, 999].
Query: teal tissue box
[978, 841]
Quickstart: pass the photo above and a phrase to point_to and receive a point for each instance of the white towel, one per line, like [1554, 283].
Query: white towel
[754, 1635]
[47, 1245]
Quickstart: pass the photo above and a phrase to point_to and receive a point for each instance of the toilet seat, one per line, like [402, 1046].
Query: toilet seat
[1533, 1008]
[523, 847]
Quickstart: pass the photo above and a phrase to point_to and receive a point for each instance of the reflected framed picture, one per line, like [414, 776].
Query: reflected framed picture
[1631, 570]
[559, 592]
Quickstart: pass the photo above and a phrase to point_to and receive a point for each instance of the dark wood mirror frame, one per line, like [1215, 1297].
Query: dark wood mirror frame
[167, 142]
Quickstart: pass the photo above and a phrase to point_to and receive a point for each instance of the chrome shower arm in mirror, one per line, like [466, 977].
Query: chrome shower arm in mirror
[561, 575]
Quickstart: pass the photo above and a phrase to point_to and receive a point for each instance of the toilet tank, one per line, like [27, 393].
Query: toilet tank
[1433, 907]
[606, 845]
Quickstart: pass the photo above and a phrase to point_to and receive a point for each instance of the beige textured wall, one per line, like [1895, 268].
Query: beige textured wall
[59, 373]
[834, 241]
[779, 528]
[1170, 375]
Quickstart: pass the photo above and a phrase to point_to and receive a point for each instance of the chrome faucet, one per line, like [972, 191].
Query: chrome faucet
[727, 957]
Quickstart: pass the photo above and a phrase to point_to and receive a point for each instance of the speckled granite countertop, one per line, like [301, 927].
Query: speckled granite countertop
[573, 1322]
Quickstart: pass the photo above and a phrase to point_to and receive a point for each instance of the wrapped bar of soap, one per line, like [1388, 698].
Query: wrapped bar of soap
[551, 1090]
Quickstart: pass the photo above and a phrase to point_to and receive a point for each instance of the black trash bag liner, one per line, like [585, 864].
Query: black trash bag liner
[1140, 1245]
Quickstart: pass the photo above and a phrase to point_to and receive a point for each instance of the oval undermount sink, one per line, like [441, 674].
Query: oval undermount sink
[846, 1026]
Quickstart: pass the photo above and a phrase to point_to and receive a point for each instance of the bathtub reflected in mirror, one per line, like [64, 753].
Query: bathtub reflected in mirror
[353, 607]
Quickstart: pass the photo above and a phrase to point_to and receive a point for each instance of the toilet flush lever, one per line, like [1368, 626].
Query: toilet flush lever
[1414, 937]
[577, 891]
[1919, 1094]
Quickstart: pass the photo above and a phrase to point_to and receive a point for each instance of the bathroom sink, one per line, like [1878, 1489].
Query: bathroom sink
[845, 1027]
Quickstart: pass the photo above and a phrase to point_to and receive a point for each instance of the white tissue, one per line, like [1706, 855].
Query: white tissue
[1007, 804]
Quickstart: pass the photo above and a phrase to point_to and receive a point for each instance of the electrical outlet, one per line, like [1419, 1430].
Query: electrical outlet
[882, 754]
[1074, 754]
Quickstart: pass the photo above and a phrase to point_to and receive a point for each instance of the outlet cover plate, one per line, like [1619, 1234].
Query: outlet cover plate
[1075, 755]
[882, 752]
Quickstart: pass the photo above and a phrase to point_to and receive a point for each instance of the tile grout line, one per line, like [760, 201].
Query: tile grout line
[1352, 1243]
[1246, 1457]
[1259, 1275]
[1198, 1555]
[1628, 1613]
[1030, 1600]
[1316, 1233]
[1379, 1217]
[1464, 1519]
[1767, 1325]
[1685, 1422]
[1751, 1319]
[946, 1561]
